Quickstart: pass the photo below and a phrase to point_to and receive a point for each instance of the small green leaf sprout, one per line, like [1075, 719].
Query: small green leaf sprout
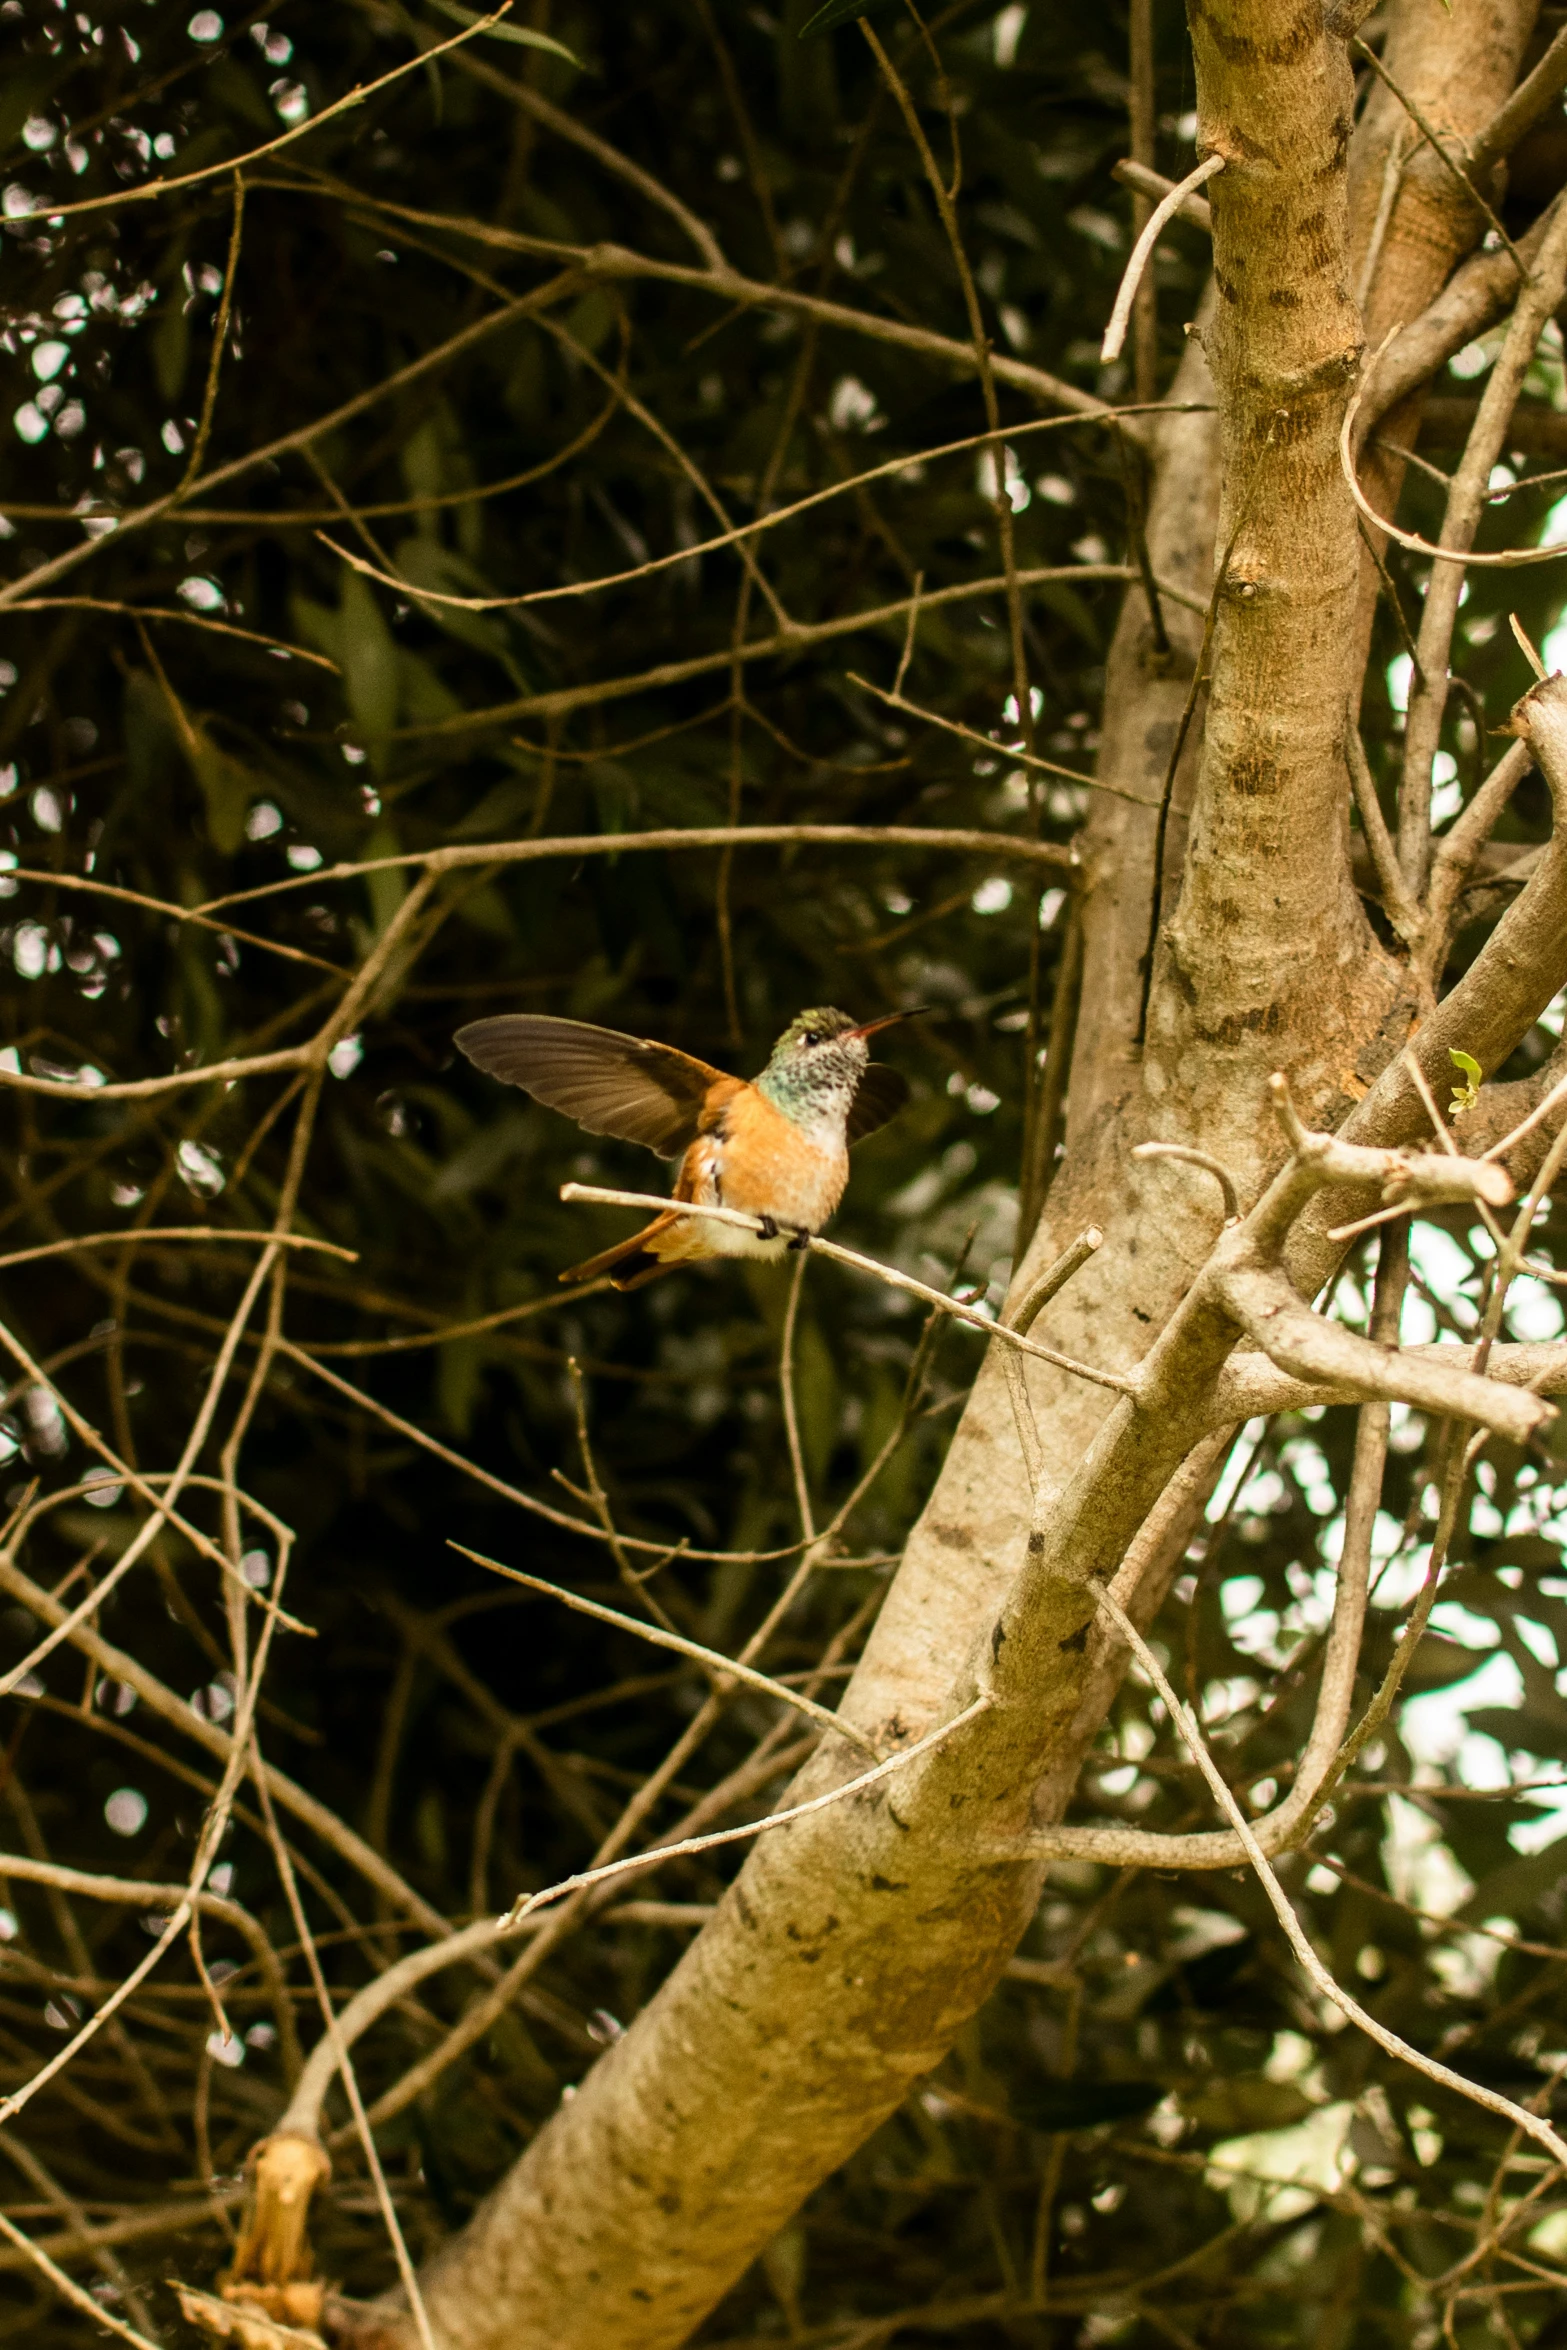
[1465, 1095]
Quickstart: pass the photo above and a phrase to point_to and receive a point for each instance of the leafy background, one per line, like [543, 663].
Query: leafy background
[1072, 2134]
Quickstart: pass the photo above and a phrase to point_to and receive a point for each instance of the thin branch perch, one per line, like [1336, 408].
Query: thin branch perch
[596, 1195]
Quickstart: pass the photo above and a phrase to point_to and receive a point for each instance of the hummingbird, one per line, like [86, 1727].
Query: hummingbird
[774, 1146]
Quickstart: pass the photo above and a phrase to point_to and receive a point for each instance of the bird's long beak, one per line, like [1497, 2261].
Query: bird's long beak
[888, 1020]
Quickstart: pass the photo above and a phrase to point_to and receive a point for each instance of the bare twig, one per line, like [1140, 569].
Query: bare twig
[1457, 850]
[1537, 1117]
[1392, 180]
[160, 1506]
[17, 591]
[1461, 519]
[1509, 559]
[725, 1667]
[1133, 174]
[1189, 1157]
[1022, 1315]
[220, 336]
[778, 1819]
[1120, 315]
[151, 190]
[68, 2288]
[789, 1402]
[1029, 760]
[119, 1665]
[891, 469]
[1142, 117]
[160, 1232]
[138, 1893]
[1402, 910]
[345, 2066]
[985, 369]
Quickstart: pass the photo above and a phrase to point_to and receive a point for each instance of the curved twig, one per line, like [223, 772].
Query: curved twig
[1509, 559]
[1189, 1157]
[1164, 210]
[890, 469]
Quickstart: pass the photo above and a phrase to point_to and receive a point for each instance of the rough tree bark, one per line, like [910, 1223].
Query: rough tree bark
[1223, 940]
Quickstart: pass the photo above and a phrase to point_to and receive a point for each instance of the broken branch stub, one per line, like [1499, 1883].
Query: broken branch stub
[1404, 1178]
[273, 2263]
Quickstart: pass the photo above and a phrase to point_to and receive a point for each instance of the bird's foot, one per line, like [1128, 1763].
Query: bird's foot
[769, 1228]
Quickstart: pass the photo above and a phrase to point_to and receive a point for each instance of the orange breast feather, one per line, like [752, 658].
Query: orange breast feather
[768, 1166]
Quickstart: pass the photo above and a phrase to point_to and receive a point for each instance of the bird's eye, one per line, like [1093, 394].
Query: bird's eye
[812, 1036]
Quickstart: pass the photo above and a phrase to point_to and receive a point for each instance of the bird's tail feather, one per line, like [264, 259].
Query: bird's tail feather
[630, 1263]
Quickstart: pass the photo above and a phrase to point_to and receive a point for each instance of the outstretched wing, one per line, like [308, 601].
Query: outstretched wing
[882, 1094]
[611, 1084]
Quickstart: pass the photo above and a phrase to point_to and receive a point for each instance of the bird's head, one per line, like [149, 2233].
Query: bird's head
[819, 1060]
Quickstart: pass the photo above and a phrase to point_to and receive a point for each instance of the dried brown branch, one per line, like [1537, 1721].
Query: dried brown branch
[67, 2287]
[1403, 911]
[789, 1402]
[17, 591]
[737, 535]
[1286, 1827]
[139, 1892]
[345, 2066]
[1029, 760]
[1457, 851]
[1154, 185]
[1490, 426]
[1164, 211]
[980, 1687]
[609, 263]
[161, 1701]
[150, 191]
[1474, 298]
